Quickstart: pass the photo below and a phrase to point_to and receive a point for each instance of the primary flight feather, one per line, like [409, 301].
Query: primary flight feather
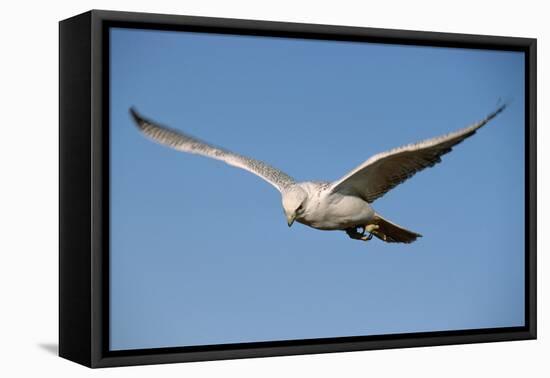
[344, 204]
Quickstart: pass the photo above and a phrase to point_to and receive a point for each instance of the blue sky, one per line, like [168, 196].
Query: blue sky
[200, 251]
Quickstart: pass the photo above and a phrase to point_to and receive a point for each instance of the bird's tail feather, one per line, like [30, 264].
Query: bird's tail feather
[391, 232]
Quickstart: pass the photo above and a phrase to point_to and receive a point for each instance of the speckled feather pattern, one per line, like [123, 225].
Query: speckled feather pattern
[186, 143]
[384, 171]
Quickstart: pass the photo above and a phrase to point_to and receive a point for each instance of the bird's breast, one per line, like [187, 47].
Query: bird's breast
[336, 212]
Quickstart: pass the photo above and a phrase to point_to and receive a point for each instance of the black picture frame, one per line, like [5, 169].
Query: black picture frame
[84, 188]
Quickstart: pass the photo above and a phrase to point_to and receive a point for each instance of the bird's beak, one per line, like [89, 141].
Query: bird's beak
[290, 219]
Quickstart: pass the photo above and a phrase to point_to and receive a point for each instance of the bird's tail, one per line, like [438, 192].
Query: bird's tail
[391, 232]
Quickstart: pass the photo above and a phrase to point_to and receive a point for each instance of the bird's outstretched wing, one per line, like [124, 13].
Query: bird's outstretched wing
[384, 171]
[186, 143]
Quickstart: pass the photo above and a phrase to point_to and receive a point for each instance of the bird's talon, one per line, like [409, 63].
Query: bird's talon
[367, 237]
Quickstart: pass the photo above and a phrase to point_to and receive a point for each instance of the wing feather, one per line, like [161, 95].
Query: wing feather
[183, 142]
[384, 171]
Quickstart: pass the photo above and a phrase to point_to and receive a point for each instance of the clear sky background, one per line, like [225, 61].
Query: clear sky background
[200, 251]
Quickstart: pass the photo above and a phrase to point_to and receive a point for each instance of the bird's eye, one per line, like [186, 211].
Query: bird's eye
[299, 208]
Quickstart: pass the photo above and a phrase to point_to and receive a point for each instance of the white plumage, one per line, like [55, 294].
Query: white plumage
[343, 204]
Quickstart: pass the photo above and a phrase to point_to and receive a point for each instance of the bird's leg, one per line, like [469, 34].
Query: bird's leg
[371, 229]
[354, 234]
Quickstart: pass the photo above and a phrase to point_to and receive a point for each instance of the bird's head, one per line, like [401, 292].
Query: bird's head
[294, 200]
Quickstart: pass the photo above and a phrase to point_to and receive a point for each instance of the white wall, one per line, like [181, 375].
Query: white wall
[28, 189]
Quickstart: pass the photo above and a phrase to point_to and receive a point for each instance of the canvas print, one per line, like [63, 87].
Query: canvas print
[269, 189]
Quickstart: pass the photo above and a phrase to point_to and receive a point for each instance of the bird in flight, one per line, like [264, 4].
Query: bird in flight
[344, 204]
